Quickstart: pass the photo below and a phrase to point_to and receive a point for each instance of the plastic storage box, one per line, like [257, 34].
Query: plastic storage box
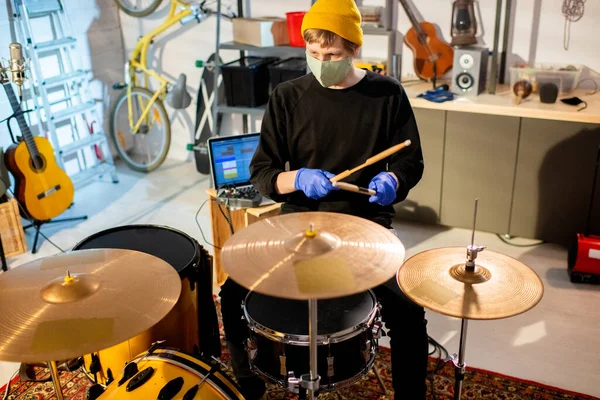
[286, 70]
[246, 81]
[566, 77]
[371, 15]
[261, 32]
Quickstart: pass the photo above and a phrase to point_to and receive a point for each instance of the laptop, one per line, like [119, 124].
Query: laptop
[230, 158]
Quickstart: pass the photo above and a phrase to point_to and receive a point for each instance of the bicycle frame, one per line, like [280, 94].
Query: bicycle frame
[138, 62]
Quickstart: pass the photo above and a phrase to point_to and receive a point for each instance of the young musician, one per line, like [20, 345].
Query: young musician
[324, 123]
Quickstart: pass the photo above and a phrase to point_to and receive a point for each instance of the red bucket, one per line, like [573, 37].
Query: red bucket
[294, 24]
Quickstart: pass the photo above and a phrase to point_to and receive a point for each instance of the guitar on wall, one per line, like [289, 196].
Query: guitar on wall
[432, 56]
[42, 188]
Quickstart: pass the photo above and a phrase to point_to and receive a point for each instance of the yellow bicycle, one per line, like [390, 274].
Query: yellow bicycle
[140, 126]
[138, 8]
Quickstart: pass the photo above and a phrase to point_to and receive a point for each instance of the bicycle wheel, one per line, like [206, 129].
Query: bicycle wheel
[138, 8]
[147, 149]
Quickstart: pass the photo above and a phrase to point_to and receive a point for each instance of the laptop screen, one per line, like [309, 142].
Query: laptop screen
[230, 159]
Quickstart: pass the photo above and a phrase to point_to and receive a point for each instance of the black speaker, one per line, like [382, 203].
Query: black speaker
[548, 93]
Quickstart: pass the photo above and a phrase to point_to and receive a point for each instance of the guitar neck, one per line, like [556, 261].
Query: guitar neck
[413, 19]
[25, 131]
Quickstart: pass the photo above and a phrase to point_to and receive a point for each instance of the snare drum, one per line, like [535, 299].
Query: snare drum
[168, 365]
[348, 331]
[180, 326]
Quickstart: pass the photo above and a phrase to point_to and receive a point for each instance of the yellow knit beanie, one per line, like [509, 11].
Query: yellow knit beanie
[338, 16]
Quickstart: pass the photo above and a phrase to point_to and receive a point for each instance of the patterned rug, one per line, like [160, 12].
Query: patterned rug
[478, 384]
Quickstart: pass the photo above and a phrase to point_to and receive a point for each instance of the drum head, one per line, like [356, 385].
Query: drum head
[171, 245]
[291, 316]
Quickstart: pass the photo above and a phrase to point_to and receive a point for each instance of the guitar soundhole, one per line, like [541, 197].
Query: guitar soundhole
[38, 163]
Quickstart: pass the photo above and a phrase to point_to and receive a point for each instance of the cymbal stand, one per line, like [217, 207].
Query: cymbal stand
[311, 381]
[459, 360]
[55, 379]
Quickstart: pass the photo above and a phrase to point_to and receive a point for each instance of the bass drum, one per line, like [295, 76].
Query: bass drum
[166, 365]
[180, 326]
[347, 338]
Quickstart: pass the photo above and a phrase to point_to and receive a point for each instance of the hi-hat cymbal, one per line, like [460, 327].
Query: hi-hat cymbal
[499, 287]
[340, 256]
[68, 305]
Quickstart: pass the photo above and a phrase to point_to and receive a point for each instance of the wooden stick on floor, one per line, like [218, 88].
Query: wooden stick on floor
[372, 160]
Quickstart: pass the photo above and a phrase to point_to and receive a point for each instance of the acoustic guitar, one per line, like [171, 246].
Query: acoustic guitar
[42, 188]
[429, 51]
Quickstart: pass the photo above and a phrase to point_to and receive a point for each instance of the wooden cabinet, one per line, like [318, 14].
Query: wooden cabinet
[479, 162]
[553, 181]
[221, 229]
[424, 200]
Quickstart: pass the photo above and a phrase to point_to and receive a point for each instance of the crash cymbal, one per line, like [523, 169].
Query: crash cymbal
[68, 305]
[499, 286]
[341, 255]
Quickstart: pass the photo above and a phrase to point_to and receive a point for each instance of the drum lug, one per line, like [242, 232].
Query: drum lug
[376, 330]
[283, 365]
[251, 348]
[366, 351]
[330, 370]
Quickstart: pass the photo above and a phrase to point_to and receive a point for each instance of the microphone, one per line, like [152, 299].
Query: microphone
[17, 66]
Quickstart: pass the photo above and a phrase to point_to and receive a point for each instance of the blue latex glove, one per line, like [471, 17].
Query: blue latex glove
[315, 183]
[385, 185]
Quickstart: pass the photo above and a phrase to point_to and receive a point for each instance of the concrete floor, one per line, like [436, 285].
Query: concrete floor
[556, 343]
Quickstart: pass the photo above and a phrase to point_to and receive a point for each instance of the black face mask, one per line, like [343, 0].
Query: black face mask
[575, 101]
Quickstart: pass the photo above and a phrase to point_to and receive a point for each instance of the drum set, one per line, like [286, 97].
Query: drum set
[115, 302]
[313, 318]
[314, 322]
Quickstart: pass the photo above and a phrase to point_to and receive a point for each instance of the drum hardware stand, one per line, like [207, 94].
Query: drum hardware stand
[377, 332]
[459, 360]
[309, 382]
[55, 380]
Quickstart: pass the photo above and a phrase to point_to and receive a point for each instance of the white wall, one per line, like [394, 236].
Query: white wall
[95, 24]
[177, 51]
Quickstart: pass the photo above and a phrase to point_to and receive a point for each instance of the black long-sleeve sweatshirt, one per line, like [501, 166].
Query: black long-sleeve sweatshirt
[311, 126]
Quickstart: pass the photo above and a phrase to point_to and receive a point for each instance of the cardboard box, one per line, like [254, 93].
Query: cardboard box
[11, 229]
[261, 32]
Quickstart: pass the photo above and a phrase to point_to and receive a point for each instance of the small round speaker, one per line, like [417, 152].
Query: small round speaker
[464, 81]
[548, 93]
[466, 61]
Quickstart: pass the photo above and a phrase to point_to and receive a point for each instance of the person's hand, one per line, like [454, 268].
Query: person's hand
[315, 183]
[385, 185]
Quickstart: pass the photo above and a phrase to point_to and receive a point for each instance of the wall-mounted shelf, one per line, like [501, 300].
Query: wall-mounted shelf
[253, 111]
[272, 51]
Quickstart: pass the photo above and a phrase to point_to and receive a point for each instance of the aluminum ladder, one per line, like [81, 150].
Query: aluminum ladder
[60, 92]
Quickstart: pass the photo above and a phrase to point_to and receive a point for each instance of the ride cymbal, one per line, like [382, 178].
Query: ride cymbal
[499, 287]
[64, 306]
[341, 255]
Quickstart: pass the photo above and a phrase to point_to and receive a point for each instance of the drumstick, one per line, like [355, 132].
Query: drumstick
[372, 160]
[354, 188]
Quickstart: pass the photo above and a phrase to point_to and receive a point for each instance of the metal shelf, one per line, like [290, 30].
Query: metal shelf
[254, 111]
[379, 31]
[273, 50]
[388, 30]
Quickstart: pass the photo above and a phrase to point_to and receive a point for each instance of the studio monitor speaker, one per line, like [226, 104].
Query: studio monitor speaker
[469, 70]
